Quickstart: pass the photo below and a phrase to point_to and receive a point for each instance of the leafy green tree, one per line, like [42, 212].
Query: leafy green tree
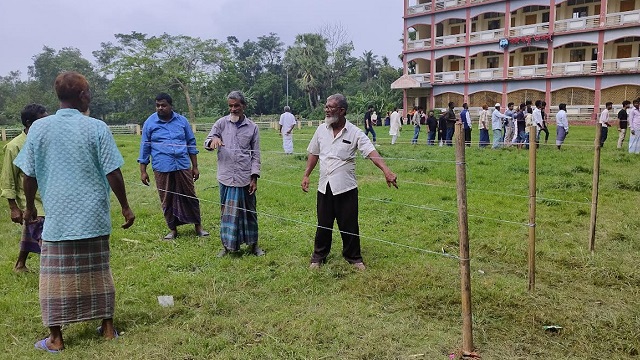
[307, 59]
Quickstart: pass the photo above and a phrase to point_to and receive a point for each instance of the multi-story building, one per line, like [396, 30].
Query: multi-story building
[580, 52]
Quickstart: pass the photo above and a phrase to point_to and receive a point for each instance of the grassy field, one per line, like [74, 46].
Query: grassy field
[406, 305]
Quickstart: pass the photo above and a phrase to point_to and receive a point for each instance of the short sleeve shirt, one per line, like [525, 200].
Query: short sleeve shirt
[70, 155]
[337, 156]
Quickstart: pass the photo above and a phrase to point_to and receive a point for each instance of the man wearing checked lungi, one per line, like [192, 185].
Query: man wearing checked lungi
[74, 161]
[237, 140]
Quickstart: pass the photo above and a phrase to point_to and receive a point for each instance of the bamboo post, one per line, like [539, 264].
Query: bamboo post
[532, 208]
[463, 232]
[4, 134]
[138, 131]
[193, 128]
[594, 190]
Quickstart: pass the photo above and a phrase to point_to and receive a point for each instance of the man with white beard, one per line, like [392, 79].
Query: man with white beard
[335, 143]
[237, 140]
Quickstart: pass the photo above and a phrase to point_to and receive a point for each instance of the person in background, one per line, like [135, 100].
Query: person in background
[237, 140]
[11, 184]
[387, 119]
[509, 128]
[395, 125]
[544, 128]
[432, 128]
[536, 113]
[528, 121]
[368, 124]
[604, 121]
[520, 125]
[563, 125]
[497, 119]
[482, 125]
[374, 119]
[415, 121]
[76, 179]
[334, 144]
[623, 123]
[168, 139]
[442, 127]
[465, 117]
[634, 127]
[285, 126]
[451, 123]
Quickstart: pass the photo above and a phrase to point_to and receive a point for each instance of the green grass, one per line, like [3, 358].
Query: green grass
[406, 305]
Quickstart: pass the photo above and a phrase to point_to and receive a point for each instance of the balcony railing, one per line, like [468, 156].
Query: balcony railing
[450, 76]
[485, 74]
[418, 44]
[450, 40]
[443, 4]
[589, 22]
[529, 71]
[574, 68]
[424, 77]
[623, 18]
[529, 30]
[487, 35]
[417, 9]
[615, 65]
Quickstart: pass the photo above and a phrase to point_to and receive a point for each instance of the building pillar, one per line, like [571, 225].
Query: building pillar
[505, 56]
[552, 22]
[467, 61]
[597, 98]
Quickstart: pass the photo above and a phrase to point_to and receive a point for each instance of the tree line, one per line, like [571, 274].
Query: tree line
[198, 73]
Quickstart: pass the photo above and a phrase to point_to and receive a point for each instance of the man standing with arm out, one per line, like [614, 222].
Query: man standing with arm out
[70, 148]
[334, 144]
[496, 126]
[286, 125]
[237, 140]
[623, 123]
[168, 139]
[12, 189]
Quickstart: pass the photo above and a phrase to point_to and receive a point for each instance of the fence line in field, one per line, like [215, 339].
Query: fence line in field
[314, 225]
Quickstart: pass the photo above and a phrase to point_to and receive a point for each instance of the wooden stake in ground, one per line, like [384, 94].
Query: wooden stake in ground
[594, 189]
[533, 146]
[463, 231]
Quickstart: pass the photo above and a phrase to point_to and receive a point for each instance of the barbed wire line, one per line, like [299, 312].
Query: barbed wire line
[388, 242]
[422, 207]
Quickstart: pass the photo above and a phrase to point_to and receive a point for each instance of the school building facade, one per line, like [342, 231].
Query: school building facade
[580, 52]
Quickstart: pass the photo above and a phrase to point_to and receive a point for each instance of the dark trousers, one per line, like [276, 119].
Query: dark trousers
[344, 209]
[603, 135]
[484, 137]
[449, 136]
[370, 130]
[467, 137]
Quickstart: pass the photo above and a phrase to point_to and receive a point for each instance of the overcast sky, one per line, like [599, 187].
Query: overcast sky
[28, 25]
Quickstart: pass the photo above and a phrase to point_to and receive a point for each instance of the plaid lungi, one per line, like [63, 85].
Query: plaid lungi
[178, 197]
[75, 281]
[32, 236]
[239, 220]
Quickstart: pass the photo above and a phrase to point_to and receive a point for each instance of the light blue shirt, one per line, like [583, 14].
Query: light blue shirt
[70, 155]
[169, 143]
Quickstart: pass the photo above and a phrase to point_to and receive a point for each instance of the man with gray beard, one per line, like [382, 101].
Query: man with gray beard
[335, 143]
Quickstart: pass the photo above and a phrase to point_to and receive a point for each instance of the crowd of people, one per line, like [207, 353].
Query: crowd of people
[510, 127]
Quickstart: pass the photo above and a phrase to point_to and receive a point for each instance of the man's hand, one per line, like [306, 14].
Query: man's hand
[30, 216]
[253, 185]
[16, 215]
[129, 217]
[305, 184]
[144, 177]
[195, 172]
[215, 143]
[391, 179]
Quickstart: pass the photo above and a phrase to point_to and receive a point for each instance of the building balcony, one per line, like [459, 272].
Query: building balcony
[583, 23]
[531, 71]
[621, 65]
[526, 30]
[425, 77]
[419, 44]
[449, 76]
[574, 68]
[488, 35]
[485, 74]
[623, 18]
[443, 4]
[420, 8]
[448, 40]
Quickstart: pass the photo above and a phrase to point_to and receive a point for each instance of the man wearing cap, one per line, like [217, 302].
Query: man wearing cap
[496, 125]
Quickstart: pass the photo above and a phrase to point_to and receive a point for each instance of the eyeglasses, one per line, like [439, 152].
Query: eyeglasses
[332, 108]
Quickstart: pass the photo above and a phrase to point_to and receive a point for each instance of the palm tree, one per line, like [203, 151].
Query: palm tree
[369, 65]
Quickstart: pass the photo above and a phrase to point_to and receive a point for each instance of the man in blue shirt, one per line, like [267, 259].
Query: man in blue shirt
[168, 139]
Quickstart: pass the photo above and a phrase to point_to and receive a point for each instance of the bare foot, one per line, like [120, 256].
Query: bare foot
[21, 269]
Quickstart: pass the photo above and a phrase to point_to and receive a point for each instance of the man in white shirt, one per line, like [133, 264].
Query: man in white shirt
[286, 125]
[496, 126]
[335, 143]
[537, 119]
[604, 121]
[395, 125]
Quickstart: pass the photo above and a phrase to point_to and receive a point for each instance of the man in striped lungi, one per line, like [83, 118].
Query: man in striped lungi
[74, 161]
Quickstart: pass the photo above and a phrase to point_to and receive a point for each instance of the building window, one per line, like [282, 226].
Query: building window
[545, 17]
[577, 55]
[493, 62]
[580, 12]
[494, 25]
[542, 58]
[580, 2]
